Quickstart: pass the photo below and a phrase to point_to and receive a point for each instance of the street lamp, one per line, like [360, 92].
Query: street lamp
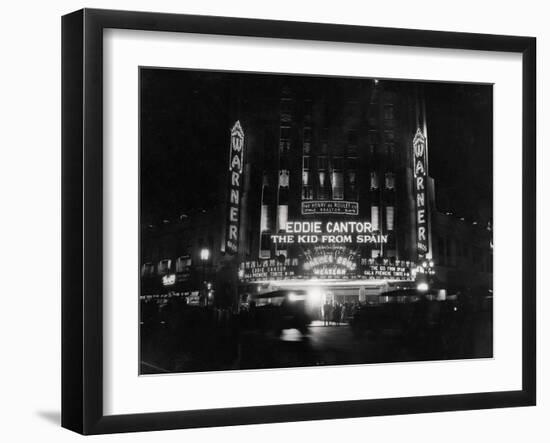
[205, 255]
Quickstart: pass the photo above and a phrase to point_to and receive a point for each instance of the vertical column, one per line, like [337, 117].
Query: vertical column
[266, 219]
[283, 185]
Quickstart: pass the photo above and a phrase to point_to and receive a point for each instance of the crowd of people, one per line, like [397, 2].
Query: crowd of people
[335, 313]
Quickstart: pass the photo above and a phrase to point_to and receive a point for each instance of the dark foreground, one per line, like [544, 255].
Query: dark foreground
[195, 339]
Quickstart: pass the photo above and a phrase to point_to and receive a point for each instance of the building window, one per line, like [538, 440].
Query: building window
[388, 112]
[372, 141]
[284, 141]
[308, 109]
[183, 263]
[147, 269]
[323, 186]
[390, 213]
[373, 180]
[351, 163]
[372, 137]
[306, 186]
[284, 146]
[389, 136]
[375, 218]
[324, 140]
[285, 132]
[265, 223]
[164, 266]
[322, 163]
[307, 140]
[372, 122]
[337, 185]
[351, 192]
[389, 97]
[352, 142]
[265, 245]
[338, 163]
[282, 217]
[390, 180]
[286, 110]
[284, 178]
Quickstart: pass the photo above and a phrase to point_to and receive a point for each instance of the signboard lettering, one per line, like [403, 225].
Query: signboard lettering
[236, 158]
[330, 207]
[420, 175]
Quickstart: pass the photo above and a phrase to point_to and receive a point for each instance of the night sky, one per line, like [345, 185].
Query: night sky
[460, 137]
[184, 133]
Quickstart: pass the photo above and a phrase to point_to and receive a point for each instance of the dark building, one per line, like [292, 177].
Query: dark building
[321, 183]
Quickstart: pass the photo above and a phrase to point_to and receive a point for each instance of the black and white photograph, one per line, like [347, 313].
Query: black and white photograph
[297, 221]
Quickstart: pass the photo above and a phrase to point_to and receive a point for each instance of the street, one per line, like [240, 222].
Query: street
[228, 348]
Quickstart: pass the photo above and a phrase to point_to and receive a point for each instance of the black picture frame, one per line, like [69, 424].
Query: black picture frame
[82, 215]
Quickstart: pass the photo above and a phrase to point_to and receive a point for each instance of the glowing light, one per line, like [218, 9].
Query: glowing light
[313, 282]
[205, 254]
[236, 157]
[169, 280]
[292, 296]
[424, 264]
[420, 176]
[422, 287]
[315, 295]
[431, 263]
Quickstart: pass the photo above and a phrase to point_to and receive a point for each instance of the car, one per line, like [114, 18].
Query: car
[407, 312]
[278, 310]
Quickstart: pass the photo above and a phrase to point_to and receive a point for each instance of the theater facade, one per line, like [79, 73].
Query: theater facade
[325, 185]
[338, 197]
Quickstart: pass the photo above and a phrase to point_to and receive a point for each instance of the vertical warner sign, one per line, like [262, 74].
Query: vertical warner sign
[421, 195]
[236, 158]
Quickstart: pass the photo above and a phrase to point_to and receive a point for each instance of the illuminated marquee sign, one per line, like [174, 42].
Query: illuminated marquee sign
[325, 263]
[236, 158]
[421, 196]
[388, 271]
[330, 262]
[268, 269]
[330, 207]
[329, 232]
